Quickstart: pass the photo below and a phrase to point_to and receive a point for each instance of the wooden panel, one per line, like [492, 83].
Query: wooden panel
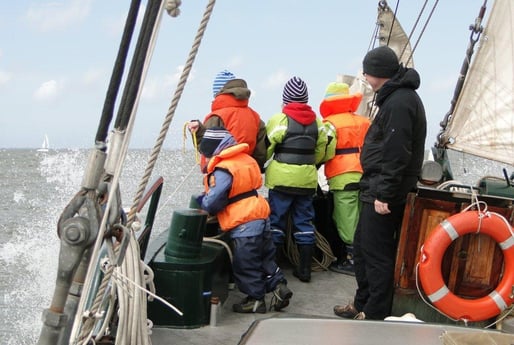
[472, 264]
[474, 259]
[421, 216]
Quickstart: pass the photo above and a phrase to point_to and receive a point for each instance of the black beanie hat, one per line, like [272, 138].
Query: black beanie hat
[211, 140]
[381, 62]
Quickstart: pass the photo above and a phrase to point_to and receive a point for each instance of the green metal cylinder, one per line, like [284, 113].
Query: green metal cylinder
[186, 233]
[193, 203]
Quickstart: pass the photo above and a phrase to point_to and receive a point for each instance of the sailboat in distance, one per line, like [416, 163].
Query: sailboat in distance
[45, 145]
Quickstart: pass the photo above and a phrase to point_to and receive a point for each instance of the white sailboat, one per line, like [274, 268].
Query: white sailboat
[45, 145]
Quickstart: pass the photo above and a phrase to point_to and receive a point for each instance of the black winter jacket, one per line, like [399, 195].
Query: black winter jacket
[394, 146]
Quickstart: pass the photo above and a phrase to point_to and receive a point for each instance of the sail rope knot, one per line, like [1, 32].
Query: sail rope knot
[172, 7]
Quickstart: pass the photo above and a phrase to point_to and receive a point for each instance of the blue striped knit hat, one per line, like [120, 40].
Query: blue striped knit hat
[220, 80]
[295, 90]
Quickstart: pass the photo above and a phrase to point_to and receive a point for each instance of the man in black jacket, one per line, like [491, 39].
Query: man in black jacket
[391, 158]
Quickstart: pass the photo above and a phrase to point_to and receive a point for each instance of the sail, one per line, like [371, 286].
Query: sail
[45, 145]
[482, 123]
[391, 33]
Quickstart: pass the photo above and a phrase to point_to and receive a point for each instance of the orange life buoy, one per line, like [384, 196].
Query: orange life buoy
[431, 258]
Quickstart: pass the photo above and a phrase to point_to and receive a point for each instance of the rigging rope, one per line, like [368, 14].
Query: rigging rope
[132, 306]
[117, 73]
[112, 193]
[423, 30]
[171, 110]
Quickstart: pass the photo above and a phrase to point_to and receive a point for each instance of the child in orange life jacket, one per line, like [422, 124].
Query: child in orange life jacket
[344, 170]
[230, 109]
[231, 182]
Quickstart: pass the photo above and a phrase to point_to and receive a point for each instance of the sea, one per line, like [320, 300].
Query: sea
[37, 186]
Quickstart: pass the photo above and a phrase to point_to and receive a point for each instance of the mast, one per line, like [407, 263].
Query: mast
[476, 31]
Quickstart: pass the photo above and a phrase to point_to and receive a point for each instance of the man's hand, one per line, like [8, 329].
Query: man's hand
[381, 207]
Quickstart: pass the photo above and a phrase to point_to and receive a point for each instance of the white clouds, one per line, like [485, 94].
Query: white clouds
[93, 77]
[48, 91]
[442, 83]
[163, 86]
[236, 62]
[115, 27]
[277, 79]
[57, 15]
[4, 77]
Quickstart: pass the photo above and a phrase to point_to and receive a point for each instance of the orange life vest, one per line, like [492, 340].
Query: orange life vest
[245, 203]
[350, 131]
[239, 119]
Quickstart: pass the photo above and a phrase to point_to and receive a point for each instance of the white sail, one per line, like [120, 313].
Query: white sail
[390, 33]
[45, 145]
[482, 123]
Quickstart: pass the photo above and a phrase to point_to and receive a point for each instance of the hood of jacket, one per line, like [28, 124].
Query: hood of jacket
[300, 112]
[237, 88]
[405, 78]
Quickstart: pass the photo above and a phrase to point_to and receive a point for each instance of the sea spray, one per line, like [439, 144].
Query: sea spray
[37, 187]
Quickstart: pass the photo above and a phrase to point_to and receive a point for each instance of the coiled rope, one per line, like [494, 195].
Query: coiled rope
[293, 255]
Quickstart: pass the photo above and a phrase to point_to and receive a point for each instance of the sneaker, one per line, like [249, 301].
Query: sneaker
[281, 296]
[250, 305]
[360, 316]
[344, 268]
[346, 311]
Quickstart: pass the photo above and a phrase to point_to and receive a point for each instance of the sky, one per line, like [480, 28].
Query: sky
[56, 60]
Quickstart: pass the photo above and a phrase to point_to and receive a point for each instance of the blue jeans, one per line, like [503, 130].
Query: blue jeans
[302, 215]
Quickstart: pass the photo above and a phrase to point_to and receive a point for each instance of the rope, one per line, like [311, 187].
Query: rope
[117, 73]
[112, 194]
[223, 243]
[195, 142]
[176, 190]
[132, 323]
[423, 30]
[171, 110]
[293, 255]
[88, 325]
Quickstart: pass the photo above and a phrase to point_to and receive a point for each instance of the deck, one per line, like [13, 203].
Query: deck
[316, 298]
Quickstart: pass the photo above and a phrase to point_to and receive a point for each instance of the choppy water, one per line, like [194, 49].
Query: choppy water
[35, 189]
[37, 186]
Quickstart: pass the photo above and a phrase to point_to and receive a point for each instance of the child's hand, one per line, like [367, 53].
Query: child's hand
[199, 199]
[193, 126]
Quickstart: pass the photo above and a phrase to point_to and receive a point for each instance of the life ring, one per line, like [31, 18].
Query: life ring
[431, 258]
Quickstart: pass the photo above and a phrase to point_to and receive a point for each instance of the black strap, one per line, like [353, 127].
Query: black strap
[279, 149]
[242, 196]
[348, 150]
[352, 186]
